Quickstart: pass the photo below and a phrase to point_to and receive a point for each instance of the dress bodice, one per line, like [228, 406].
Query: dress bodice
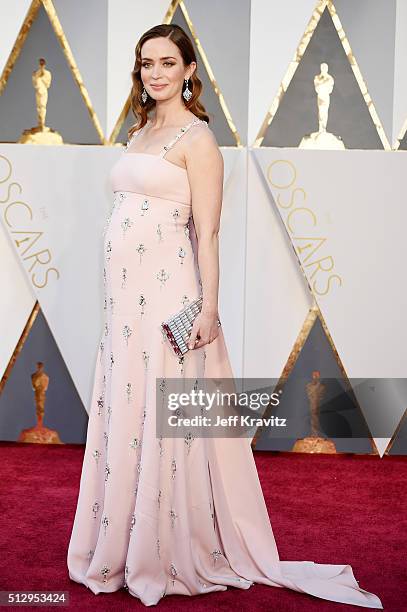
[150, 174]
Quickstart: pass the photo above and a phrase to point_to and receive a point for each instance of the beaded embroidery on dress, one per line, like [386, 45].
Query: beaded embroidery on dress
[165, 516]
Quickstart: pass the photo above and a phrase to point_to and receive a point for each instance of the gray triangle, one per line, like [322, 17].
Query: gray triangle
[126, 125]
[66, 110]
[399, 445]
[403, 142]
[64, 410]
[348, 116]
[341, 419]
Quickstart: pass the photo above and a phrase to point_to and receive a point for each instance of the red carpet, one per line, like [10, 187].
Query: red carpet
[328, 509]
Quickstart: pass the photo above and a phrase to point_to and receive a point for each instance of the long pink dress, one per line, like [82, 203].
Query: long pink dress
[161, 516]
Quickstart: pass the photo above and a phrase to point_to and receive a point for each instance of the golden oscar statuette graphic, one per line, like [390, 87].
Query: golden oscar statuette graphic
[314, 443]
[39, 433]
[324, 84]
[41, 134]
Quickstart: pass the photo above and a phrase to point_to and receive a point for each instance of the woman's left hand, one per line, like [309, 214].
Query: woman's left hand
[204, 330]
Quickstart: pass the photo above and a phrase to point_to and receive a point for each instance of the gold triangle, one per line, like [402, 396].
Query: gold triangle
[396, 433]
[19, 346]
[18, 45]
[59, 33]
[313, 313]
[400, 137]
[298, 55]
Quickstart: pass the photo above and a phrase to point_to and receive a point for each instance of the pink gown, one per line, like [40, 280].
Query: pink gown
[170, 515]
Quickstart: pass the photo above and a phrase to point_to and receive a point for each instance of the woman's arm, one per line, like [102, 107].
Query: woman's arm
[204, 163]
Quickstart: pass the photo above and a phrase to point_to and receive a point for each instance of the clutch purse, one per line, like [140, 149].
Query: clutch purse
[178, 327]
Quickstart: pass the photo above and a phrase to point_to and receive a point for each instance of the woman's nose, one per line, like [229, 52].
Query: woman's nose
[156, 71]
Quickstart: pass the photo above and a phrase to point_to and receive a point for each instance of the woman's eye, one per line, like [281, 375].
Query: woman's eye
[148, 64]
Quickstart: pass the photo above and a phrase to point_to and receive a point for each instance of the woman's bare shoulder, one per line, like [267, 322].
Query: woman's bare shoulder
[202, 152]
[203, 135]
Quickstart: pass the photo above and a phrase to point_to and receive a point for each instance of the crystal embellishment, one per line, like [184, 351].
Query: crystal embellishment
[175, 215]
[127, 331]
[188, 439]
[141, 249]
[173, 516]
[134, 443]
[145, 357]
[124, 277]
[173, 571]
[105, 523]
[100, 403]
[162, 276]
[128, 392]
[160, 444]
[119, 197]
[142, 302]
[95, 509]
[108, 250]
[96, 453]
[216, 554]
[126, 224]
[105, 571]
[181, 254]
[144, 206]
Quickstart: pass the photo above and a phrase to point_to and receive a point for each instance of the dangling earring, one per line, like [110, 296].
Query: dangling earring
[186, 93]
[144, 95]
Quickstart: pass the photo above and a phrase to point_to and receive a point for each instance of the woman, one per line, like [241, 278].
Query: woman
[161, 516]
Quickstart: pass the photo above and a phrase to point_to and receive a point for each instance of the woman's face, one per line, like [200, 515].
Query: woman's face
[162, 68]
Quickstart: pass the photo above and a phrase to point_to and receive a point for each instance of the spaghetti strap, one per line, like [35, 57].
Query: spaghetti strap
[167, 147]
[182, 131]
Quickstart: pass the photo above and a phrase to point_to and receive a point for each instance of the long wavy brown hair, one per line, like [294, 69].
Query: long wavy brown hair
[184, 44]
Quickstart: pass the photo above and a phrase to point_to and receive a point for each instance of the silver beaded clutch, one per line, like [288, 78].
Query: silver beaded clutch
[178, 327]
